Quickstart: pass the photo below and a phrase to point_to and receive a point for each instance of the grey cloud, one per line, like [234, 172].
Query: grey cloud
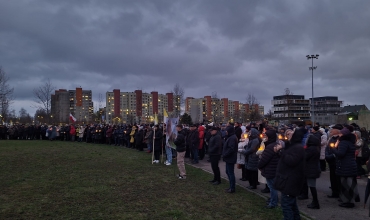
[232, 47]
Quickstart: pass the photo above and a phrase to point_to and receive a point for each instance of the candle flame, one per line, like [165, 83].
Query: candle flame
[332, 145]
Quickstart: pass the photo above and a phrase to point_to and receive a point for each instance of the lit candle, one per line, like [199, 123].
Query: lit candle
[332, 145]
[245, 136]
[280, 137]
[261, 136]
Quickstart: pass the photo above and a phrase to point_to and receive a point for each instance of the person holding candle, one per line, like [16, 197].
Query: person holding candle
[346, 166]
[252, 159]
[330, 159]
[268, 164]
[290, 172]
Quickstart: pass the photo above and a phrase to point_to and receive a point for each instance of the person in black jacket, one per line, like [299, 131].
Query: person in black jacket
[229, 155]
[193, 142]
[238, 130]
[251, 159]
[157, 143]
[290, 172]
[330, 159]
[214, 151]
[268, 164]
[312, 169]
[181, 149]
[346, 167]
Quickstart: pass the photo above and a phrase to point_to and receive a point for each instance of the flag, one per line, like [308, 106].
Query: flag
[72, 118]
[155, 119]
[165, 113]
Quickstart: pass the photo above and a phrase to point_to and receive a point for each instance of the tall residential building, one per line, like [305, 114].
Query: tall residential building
[137, 106]
[210, 109]
[291, 108]
[77, 102]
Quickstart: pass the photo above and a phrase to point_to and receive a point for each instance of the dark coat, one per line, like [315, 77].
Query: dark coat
[180, 141]
[215, 145]
[251, 159]
[290, 171]
[230, 149]
[238, 132]
[139, 138]
[269, 161]
[158, 140]
[192, 141]
[345, 154]
[312, 153]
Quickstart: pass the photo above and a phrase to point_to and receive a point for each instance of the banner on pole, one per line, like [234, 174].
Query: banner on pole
[171, 132]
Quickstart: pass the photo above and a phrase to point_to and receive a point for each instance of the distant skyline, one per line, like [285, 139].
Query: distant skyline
[231, 47]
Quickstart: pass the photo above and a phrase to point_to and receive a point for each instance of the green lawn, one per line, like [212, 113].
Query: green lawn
[64, 180]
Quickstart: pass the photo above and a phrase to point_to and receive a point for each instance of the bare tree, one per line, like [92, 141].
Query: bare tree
[270, 115]
[6, 95]
[43, 96]
[254, 114]
[24, 117]
[178, 93]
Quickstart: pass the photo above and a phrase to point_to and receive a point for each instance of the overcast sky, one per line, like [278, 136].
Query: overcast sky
[232, 47]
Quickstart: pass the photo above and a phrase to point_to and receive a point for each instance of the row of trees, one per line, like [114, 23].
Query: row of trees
[42, 98]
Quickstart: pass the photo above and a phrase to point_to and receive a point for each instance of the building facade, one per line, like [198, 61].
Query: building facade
[290, 108]
[137, 106]
[76, 102]
[326, 109]
[208, 109]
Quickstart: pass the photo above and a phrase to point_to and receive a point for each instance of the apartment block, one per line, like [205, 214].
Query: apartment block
[208, 109]
[137, 106]
[77, 102]
[290, 108]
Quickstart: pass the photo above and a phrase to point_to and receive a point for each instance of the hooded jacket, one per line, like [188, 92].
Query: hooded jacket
[192, 140]
[230, 147]
[312, 153]
[346, 163]
[251, 159]
[201, 137]
[180, 141]
[269, 159]
[215, 144]
[290, 171]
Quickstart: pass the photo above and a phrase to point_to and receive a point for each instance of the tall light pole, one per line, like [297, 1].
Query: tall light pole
[312, 100]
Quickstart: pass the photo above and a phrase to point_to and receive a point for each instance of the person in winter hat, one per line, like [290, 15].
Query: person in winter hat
[251, 162]
[290, 172]
[268, 164]
[229, 155]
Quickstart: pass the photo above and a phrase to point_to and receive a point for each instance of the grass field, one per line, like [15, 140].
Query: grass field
[65, 180]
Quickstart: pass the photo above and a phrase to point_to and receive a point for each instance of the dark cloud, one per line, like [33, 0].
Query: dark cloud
[232, 47]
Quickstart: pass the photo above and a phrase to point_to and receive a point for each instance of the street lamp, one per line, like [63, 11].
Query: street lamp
[312, 68]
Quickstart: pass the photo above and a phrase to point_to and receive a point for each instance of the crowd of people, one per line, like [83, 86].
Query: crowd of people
[288, 159]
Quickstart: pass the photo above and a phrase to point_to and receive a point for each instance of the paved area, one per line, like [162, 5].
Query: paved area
[329, 207]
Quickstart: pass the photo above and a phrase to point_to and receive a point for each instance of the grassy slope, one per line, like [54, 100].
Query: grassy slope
[64, 180]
